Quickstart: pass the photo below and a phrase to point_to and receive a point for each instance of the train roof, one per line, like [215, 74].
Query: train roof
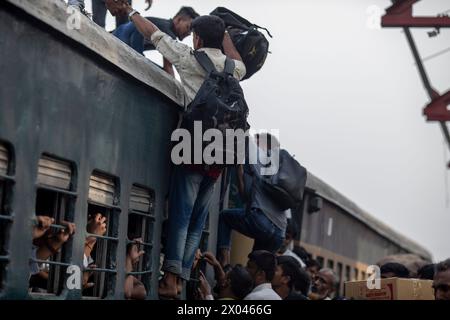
[110, 48]
[332, 195]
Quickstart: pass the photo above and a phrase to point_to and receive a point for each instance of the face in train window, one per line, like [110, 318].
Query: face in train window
[138, 262]
[6, 183]
[53, 226]
[99, 260]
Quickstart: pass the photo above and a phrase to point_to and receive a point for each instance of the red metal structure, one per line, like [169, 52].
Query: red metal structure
[400, 15]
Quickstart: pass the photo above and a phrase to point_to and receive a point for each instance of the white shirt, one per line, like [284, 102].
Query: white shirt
[293, 255]
[263, 292]
[181, 56]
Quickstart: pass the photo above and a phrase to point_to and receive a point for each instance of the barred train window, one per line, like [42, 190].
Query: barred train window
[339, 277]
[320, 260]
[141, 221]
[55, 198]
[6, 219]
[347, 273]
[101, 242]
[330, 264]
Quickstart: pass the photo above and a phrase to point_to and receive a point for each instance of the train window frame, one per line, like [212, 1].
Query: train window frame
[56, 179]
[7, 181]
[338, 272]
[139, 208]
[104, 196]
[330, 264]
[320, 261]
[348, 273]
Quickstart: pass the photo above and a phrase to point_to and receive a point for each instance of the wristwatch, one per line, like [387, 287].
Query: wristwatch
[132, 13]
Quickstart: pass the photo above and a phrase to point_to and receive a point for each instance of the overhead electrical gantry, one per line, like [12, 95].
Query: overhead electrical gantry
[399, 15]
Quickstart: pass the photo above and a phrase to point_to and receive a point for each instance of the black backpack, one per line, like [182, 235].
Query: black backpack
[219, 103]
[251, 44]
[286, 187]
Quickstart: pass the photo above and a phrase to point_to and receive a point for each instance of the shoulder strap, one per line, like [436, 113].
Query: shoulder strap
[229, 66]
[204, 61]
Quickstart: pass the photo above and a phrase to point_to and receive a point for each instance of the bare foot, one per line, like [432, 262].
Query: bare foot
[166, 290]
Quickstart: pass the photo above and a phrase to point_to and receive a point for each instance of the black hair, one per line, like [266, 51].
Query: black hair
[265, 261]
[241, 281]
[299, 278]
[188, 12]
[302, 253]
[443, 266]
[426, 271]
[210, 29]
[397, 269]
[313, 263]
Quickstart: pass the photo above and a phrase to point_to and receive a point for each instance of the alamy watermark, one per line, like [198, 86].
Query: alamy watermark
[374, 279]
[227, 147]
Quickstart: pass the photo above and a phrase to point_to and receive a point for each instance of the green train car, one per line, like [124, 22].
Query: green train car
[85, 126]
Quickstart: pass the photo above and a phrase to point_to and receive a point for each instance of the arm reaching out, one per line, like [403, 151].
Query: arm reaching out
[229, 48]
[144, 26]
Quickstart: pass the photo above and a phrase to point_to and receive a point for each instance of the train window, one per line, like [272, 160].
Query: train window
[339, 277]
[320, 260]
[102, 236]
[52, 252]
[356, 274]
[6, 182]
[363, 275]
[330, 264]
[141, 221]
[347, 273]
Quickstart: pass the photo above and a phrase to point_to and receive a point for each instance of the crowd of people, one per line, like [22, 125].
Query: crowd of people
[275, 270]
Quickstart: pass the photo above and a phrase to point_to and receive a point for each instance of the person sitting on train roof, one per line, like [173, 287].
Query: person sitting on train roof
[288, 243]
[261, 219]
[134, 288]
[177, 27]
[261, 265]
[191, 187]
[290, 281]
[46, 243]
[324, 285]
[394, 270]
[96, 225]
[441, 281]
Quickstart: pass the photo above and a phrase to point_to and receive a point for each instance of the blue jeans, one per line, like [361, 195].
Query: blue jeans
[253, 224]
[189, 199]
[131, 36]
[99, 12]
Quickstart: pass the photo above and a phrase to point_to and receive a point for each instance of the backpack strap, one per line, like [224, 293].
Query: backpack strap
[204, 61]
[208, 66]
[229, 66]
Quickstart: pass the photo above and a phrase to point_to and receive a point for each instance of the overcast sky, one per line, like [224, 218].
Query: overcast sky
[348, 102]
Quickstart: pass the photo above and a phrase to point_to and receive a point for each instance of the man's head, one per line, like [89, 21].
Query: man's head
[312, 267]
[324, 284]
[208, 32]
[441, 281]
[238, 283]
[183, 20]
[426, 272]
[290, 276]
[394, 270]
[261, 266]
